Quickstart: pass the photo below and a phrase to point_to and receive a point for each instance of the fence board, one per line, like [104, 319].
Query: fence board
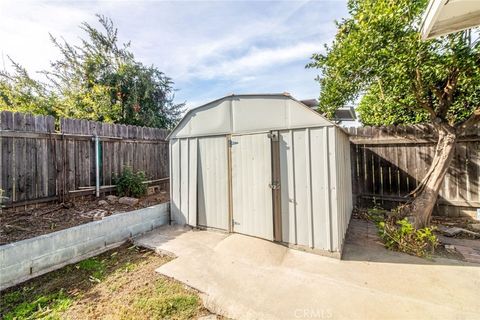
[39, 163]
[396, 158]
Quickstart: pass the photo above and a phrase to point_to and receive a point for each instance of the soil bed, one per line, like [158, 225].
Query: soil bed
[19, 225]
[118, 284]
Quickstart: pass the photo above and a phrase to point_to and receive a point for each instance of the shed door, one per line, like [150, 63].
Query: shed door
[212, 183]
[251, 179]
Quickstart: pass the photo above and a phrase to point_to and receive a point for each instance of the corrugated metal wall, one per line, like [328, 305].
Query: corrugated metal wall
[199, 186]
[344, 185]
[315, 168]
[183, 173]
[316, 195]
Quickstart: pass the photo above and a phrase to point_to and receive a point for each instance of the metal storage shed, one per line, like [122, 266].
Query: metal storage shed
[265, 166]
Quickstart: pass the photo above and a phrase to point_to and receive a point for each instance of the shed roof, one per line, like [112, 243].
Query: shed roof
[247, 113]
[447, 16]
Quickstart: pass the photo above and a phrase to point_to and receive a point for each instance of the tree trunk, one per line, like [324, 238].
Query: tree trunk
[425, 195]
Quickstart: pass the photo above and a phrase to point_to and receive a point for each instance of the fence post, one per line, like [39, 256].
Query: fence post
[97, 167]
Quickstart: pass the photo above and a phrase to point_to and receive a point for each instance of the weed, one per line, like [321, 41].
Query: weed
[402, 236]
[128, 267]
[131, 183]
[398, 233]
[95, 267]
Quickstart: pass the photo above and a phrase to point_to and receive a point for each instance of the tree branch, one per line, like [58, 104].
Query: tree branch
[437, 92]
[418, 90]
[470, 122]
[446, 99]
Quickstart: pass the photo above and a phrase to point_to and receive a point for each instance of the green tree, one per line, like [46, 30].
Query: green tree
[19, 92]
[95, 80]
[378, 55]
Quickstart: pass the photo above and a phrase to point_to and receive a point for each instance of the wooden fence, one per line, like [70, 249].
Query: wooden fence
[41, 164]
[389, 162]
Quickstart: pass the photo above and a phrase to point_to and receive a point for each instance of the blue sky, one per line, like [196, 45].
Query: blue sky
[209, 48]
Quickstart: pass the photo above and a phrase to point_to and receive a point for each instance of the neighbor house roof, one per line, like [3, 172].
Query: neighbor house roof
[446, 16]
[342, 114]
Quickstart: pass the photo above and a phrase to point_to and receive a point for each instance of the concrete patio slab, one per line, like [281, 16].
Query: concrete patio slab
[248, 278]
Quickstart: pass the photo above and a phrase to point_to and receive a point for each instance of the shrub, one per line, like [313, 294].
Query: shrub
[402, 236]
[131, 184]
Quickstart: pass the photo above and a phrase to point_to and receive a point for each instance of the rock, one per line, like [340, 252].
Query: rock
[450, 247]
[97, 214]
[128, 201]
[112, 199]
[475, 226]
[102, 203]
[152, 190]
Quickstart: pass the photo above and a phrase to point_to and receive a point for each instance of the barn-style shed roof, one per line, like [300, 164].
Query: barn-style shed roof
[246, 113]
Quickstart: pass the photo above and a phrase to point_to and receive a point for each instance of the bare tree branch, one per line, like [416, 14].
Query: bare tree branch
[470, 122]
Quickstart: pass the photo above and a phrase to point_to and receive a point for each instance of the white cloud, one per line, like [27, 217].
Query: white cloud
[209, 48]
[256, 60]
[25, 28]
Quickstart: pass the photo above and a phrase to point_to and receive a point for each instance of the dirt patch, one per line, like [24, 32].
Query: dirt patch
[19, 225]
[119, 284]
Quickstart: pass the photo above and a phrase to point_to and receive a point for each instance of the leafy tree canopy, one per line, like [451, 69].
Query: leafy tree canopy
[96, 80]
[378, 56]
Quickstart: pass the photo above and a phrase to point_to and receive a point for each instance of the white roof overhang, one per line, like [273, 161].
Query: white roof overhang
[446, 16]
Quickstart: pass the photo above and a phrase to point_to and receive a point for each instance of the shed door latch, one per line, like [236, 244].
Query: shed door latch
[275, 185]
[273, 135]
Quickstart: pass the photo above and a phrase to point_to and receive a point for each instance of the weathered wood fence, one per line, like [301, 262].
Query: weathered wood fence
[389, 162]
[41, 164]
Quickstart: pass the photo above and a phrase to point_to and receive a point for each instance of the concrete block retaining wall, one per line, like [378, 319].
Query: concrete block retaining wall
[22, 260]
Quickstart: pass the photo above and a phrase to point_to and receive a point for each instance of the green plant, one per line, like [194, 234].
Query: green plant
[44, 306]
[96, 267]
[402, 236]
[131, 183]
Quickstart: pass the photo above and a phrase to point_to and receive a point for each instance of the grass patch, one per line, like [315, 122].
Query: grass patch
[49, 306]
[168, 299]
[95, 267]
[119, 284]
